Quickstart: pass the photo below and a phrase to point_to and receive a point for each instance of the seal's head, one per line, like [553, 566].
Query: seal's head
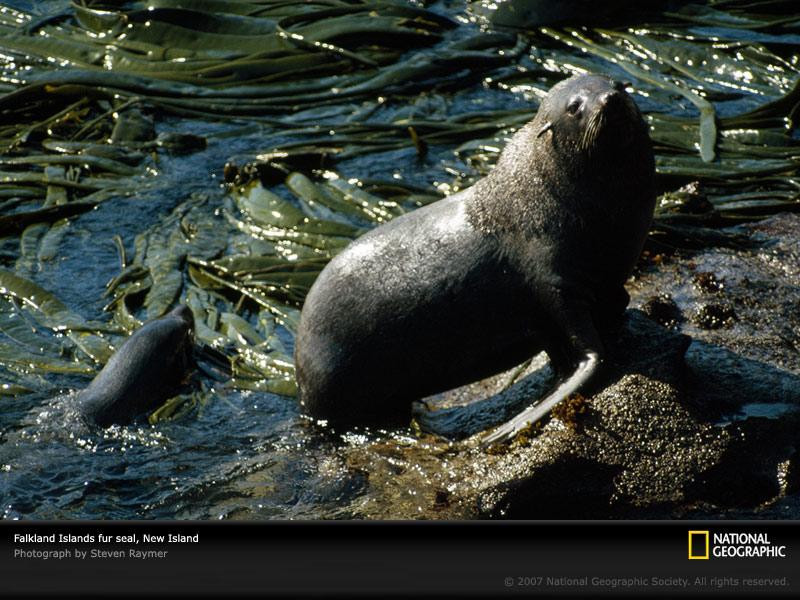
[589, 112]
[145, 371]
[586, 155]
[181, 337]
[184, 314]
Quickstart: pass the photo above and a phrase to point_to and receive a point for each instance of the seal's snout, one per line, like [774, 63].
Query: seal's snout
[607, 114]
[617, 112]
[614, 103]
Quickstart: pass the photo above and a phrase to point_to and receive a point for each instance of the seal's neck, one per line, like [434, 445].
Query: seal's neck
[527, 187]
[540, 183]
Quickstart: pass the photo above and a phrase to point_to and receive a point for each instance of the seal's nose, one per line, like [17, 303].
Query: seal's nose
[612, 103]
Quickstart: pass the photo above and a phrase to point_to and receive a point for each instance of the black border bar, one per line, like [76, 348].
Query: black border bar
[408, 558]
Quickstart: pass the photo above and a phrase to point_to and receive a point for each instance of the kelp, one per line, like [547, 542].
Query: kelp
[17, 222]
[33, 331]
[154, 278]
[241, 58]
[739, 14]
[217, 49]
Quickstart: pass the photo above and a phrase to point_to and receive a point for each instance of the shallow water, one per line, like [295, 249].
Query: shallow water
[239, 454]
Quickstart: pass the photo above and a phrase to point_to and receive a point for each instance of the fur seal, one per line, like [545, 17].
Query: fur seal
[532, 257]
[143, 372]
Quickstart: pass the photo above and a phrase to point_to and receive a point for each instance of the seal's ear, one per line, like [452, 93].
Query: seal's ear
[547, 127]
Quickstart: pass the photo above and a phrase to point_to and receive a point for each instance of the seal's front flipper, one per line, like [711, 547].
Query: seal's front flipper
[582, 346]
[585, 371]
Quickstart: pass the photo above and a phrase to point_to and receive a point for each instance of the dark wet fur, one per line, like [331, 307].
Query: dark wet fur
[534, 256]
[143, 373]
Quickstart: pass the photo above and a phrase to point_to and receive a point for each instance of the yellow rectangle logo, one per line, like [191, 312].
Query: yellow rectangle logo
[698, 545]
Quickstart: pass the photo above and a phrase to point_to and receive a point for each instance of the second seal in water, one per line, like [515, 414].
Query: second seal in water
[532, 257]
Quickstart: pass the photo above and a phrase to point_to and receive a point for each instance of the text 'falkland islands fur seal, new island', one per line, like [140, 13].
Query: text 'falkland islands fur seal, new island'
[532, 257]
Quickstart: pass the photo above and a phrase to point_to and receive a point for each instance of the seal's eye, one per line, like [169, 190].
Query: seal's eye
[574, 107]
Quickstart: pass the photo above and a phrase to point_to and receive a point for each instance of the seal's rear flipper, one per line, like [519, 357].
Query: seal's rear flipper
[585, 371]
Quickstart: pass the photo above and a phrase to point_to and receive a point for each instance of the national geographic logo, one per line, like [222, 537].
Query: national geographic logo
[703, 546]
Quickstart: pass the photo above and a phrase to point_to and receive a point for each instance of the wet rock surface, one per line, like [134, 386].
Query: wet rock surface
[690, 421]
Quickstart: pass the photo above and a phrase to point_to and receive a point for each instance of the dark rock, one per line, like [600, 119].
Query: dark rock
[662, 309]
[714, 316]
[746, 473]
[133, 125]
[181, 143]
[708, 282]
[646, 446]
[561, 490]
